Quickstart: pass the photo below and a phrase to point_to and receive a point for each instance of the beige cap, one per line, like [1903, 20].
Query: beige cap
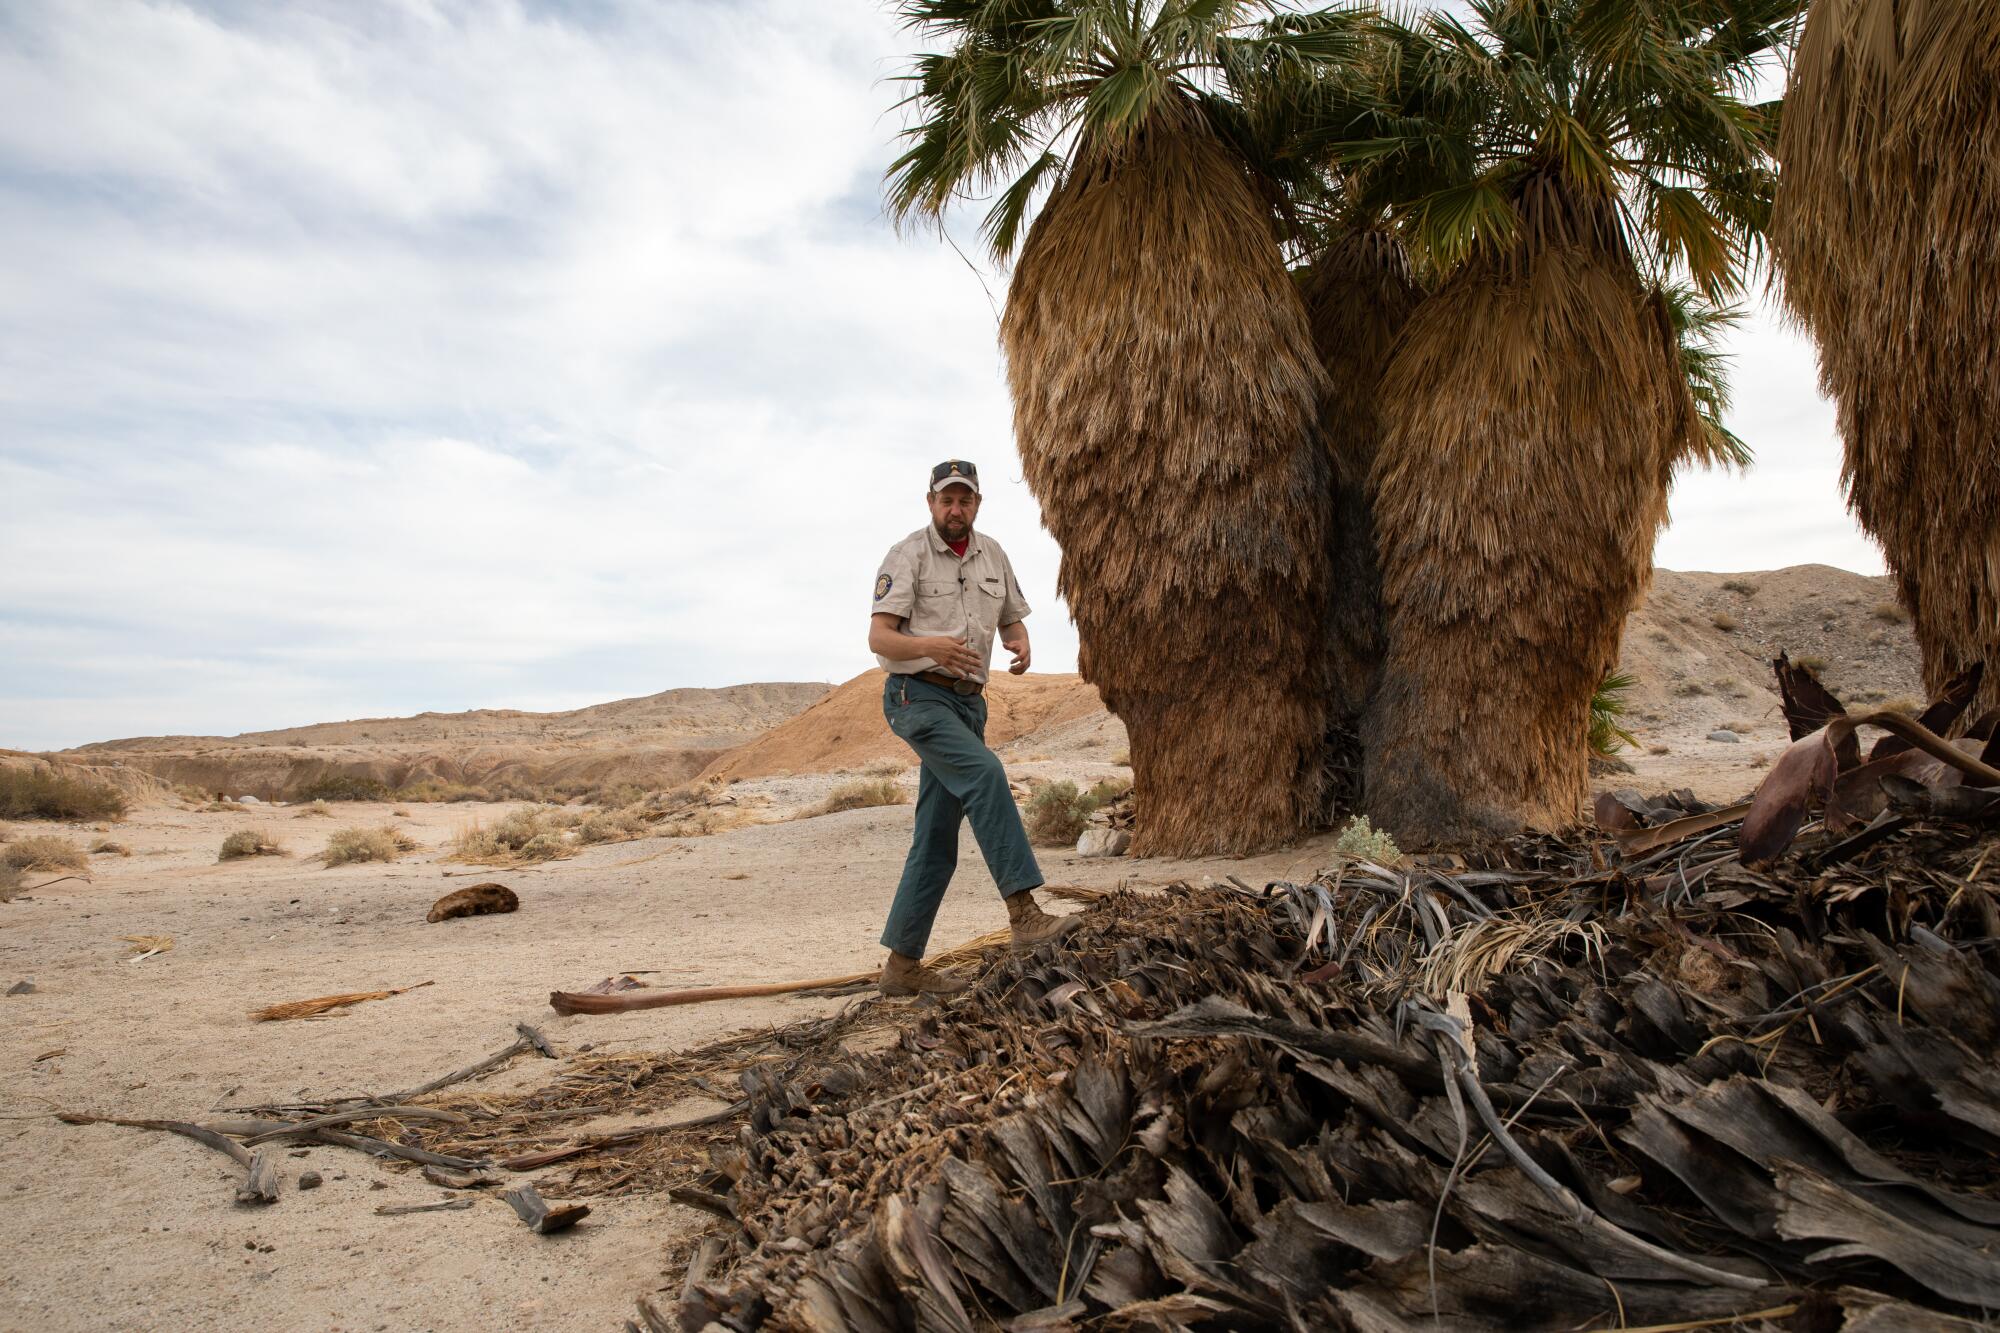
[955, 472]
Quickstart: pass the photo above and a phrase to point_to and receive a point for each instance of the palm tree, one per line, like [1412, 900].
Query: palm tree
[1888, 203]
[1557, 161]
[1166, 390]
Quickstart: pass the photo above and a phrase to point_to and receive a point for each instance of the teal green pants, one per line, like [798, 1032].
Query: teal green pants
[960, 779]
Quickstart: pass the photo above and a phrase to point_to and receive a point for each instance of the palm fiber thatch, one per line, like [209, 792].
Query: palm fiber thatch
[1166, 399]
[1531, 417]
[1359, 293]
[1887, 207]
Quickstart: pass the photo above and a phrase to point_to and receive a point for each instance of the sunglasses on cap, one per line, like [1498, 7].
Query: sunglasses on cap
[954, 471]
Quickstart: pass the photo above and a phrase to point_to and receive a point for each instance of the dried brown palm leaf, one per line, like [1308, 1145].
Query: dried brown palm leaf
[325, 1004]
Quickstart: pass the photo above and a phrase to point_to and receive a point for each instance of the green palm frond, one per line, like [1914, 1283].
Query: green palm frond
[1698, 326]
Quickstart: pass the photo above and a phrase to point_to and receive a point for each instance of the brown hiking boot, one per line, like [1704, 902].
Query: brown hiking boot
[907, 976]
[1031, 925]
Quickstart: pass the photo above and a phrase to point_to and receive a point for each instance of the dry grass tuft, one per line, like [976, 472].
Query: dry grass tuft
[1723, 621]
[1890, 613]
[1904, 704]
[10, 882]
[366, 844]
[44, 851]
[1057, 815]
[860, 795]
[48, 793]
[1106, 790]
[249, 842]
[1814, 666]
[317, 810]
[1123, 759]
[1741, 587]
[613, 826]
[1690, 689]
[106, 847]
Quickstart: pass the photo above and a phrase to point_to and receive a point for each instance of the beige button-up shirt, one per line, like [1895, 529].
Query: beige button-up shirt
[936, 592]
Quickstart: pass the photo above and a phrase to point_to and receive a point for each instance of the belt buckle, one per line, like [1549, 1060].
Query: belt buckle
[965, 687]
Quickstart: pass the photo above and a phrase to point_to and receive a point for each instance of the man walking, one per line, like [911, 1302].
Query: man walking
[941, 596]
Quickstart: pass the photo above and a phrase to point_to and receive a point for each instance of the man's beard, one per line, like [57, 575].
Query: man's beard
[954, 529]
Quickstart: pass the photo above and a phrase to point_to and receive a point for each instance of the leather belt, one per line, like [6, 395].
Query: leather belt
[956, 684]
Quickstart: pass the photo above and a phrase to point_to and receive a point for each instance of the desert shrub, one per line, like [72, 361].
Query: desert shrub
[860, 794]
[1812, 666]
[1905, 704]
[612, 826]
[1606, 736]
[1363, 842]
[400, 813]
[47, 793]
[531, 833]
[316, 810]
[1106, 790]
[1690, 689]
[1742, 587]
[44, 851]
[106, 847]
[884, 768]
[1058, 814]
[366, 844]
[1123, 759]
[1891, 612]
[343, 787]
[1723, 621]
[249, 842]
[1659, 749]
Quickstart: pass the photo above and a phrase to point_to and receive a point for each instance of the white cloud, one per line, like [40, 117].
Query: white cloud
[357, 358]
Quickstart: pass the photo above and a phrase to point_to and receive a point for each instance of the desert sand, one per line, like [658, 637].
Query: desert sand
[132, 1229]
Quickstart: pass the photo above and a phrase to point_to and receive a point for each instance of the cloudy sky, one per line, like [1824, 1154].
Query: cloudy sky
[368, 356]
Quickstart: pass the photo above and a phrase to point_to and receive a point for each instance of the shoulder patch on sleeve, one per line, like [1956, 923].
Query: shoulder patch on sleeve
[882, 585]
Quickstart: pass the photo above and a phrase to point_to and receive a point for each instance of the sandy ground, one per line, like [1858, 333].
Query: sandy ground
[138, 1230]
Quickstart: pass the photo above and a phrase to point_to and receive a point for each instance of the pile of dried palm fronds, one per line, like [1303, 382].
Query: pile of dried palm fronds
[1570, 1088]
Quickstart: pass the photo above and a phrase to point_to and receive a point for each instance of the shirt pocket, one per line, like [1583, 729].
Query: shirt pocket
[987, 608]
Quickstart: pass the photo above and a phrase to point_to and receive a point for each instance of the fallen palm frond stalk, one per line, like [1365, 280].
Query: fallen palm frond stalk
[260, 1185]
[583, 1002]
[579, 1002]
[327, 1003]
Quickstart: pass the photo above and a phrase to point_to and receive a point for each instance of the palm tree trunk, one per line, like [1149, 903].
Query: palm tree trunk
[1358, 295]
[1530, 420]
[1165, 403]
[1887, 207]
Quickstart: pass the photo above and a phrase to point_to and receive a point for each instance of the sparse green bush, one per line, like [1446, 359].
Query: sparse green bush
[106, 847]
[47, 793]
[44, 851]
[343, 787]
[1741, 587]
[249, 842]
[1606, 736]
[860, 795]
[1891, 612]
[1361, 841]
[366, 844]
[1723, 621]
[1057, 815]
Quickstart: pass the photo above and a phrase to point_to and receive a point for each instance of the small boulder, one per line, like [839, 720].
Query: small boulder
[1103, 842]
[309, 1180]
[1726, 736]
[248, 800]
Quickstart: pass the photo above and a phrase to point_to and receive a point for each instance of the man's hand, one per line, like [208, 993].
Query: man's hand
[1014, 638]
[952, 655]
